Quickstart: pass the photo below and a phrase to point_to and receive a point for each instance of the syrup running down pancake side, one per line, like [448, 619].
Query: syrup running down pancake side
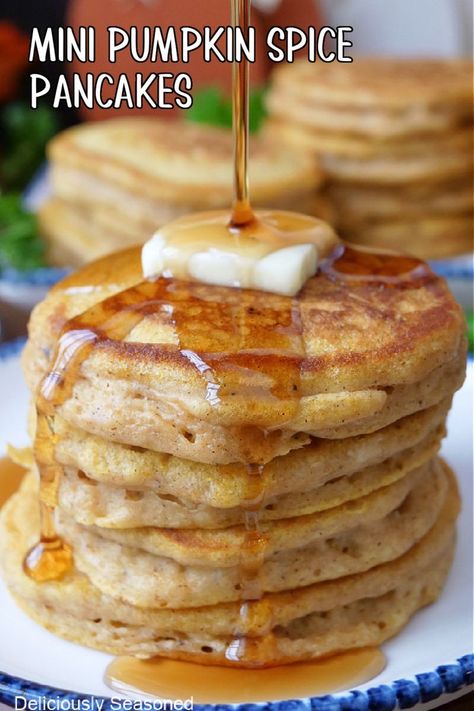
[11, 475]
[218, 355]
[231, 343]
[220, 335]
[167, 679]
[242, 213]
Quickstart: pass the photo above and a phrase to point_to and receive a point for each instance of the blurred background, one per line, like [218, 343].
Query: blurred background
[28, 261]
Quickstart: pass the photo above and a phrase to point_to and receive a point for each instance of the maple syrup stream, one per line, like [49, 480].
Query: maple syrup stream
[113, 319]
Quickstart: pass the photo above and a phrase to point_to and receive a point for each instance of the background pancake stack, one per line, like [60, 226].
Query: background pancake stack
[116, 182]
[252, 481]
[395, 138]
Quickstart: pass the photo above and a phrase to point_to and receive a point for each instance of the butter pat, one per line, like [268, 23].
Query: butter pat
[287, 270]
[152, 257]
[278, 252]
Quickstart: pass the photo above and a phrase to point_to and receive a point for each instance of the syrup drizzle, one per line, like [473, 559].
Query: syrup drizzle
[226, 348]
[51, 557]
[246, 648]
[241, 210]
[11, 475]
[216, 336]
[167, 679]
[357, 266]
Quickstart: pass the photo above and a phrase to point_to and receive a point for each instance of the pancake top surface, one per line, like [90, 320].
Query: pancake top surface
[384, 81]
[178, 161]
[347, 328]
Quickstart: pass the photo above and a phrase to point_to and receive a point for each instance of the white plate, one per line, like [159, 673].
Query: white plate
[438, 635]
[459, 273]
[25, 289]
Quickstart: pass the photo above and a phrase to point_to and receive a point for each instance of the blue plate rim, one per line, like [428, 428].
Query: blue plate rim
[446, 679]
[10, 349]
[401, 693]
[43, 276]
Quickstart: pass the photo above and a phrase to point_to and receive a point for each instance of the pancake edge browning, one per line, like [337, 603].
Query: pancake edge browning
[427, 561]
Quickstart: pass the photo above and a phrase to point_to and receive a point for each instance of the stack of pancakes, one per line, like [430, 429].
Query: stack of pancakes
[395, 138]
[115, 182]
[247, 478]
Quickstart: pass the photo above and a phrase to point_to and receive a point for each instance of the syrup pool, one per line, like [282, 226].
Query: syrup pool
[168, 679]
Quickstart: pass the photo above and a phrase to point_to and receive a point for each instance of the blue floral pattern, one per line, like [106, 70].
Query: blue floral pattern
[401, 694]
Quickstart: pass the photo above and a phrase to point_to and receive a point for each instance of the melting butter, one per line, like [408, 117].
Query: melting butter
[277, 251]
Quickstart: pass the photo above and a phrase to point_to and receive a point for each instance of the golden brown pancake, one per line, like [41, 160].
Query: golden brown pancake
[362, 204]
[366, 355]
[348, 160]
[186, 164]
[355, 610]
[381, 97]
[360, 461]
[239, 468]
[116, 182]
[395, 139]
[90, 502]
[196, 569]
[440, 237]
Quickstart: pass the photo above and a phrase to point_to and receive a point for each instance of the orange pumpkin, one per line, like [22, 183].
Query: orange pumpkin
[13, 58]
[165, 13]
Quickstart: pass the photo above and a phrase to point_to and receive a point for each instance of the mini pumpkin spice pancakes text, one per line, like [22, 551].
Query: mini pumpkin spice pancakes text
[272, 459]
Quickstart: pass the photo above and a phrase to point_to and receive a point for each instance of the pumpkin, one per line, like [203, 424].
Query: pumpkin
[13, 58]
[166, 13]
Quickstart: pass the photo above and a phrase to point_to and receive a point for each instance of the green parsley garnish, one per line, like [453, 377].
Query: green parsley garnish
[24, 135]
[20, 244]
[470, 330]
[213, 106]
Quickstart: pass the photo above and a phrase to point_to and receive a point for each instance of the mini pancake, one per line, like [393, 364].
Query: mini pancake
[334, 415]
[91, 503]
[113, 207]
[394, 137]
[177, 163]
[361, 609]
[380, 97]
[370, 356]
[362, 204]
[132, 573]
[365, 623]
[408, 150]
[226, 487]
[438, 237]
[347, 160]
